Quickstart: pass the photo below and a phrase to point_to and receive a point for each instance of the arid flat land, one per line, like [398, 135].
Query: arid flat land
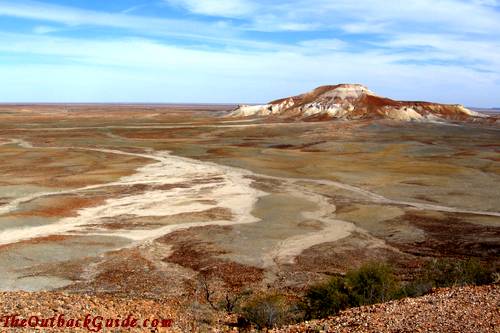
[148, 200]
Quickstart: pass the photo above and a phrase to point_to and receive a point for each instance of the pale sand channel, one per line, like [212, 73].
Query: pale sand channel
[195, 186]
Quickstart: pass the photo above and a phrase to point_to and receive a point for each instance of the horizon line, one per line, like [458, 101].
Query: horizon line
[168, 104]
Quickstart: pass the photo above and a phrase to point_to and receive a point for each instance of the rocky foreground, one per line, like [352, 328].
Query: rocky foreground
[465, 309]
[62, 312]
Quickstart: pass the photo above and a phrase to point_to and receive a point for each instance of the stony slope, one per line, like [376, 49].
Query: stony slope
[465, 309]
[353, 101]
[85, 313]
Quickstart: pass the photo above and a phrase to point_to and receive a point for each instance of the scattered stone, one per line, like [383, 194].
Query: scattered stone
[464, 310]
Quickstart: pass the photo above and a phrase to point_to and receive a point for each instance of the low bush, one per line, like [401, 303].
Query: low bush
[371, 283]
[326, 299]
[448, 272]
[267, 311]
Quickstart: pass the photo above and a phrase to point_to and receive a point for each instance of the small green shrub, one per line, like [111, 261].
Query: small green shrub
[448, 272]
[326, 299]
[267, 311]
[372, 283]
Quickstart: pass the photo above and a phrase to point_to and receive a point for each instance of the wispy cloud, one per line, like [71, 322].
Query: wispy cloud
[228, 8]
[44, 29]
[260, 75]
[483, 52]
[457, 15]
[271, 48]
[132, 9]
[315, 45]
[139, 24]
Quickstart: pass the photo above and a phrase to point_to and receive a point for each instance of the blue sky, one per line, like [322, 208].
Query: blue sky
[250, 51]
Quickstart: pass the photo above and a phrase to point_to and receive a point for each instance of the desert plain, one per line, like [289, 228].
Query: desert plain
[160, 201]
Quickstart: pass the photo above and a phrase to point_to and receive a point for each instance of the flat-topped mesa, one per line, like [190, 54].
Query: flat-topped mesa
[353, 101]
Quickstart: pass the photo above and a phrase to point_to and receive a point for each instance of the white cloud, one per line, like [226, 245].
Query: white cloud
[368, 16]
[448, 15]
[222, 8]
[447, 44]
[323, 44]
[148, 71]
[81, 17]
[486, 2]
[483, 53]
[355, 16]
[132, 9]
[267, 22]
[44, 29]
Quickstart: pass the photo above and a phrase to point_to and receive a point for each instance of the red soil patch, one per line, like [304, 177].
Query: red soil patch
[192, 252]
[62, 207]
[452, 236]
[39, 240]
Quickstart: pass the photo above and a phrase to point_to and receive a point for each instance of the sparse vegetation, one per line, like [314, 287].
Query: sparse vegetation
[375, 282]
[269, 310]
[326, 299]
[439, 273]
[447, 272]
[371, 283]
[218, 295]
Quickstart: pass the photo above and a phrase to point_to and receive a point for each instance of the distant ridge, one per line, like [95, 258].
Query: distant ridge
[354, 101]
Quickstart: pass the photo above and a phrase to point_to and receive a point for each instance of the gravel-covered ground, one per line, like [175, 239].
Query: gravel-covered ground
[465, 309]
[461, 310]
[73, 309]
